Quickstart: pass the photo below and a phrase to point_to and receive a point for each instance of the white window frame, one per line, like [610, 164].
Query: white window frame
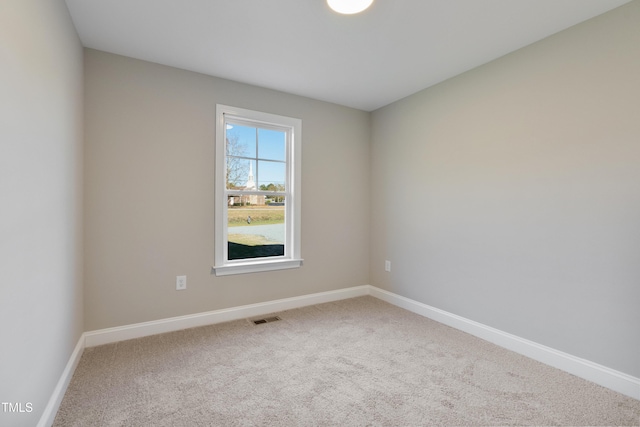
[292, 258]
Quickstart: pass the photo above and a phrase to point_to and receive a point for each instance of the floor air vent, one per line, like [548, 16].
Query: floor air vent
[265, 320]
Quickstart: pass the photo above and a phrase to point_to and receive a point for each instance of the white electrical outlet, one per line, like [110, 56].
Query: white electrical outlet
[387, 265]
[181, 283]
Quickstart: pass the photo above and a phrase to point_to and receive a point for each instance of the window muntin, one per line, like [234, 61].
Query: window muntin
[257, 191]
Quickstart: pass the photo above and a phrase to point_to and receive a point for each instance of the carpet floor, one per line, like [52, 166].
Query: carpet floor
[356, 362]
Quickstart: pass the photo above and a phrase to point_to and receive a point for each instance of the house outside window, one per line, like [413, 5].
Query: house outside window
[257, 191]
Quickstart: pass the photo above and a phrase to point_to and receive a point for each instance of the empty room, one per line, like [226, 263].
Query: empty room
[294, 213]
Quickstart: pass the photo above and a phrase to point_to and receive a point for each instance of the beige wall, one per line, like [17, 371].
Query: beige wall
[40, 202]
[149, 185]
[510, 195]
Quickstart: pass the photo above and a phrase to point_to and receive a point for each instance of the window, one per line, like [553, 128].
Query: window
[257, 209]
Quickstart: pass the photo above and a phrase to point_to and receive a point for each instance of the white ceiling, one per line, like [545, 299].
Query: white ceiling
[394, 49]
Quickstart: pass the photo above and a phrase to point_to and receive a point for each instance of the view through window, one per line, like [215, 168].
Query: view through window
[257, 191]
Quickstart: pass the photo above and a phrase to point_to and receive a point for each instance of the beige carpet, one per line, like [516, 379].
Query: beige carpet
[356, 362]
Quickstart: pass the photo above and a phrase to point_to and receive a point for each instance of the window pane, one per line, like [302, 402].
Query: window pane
[256, 230]
[241, 141]
[240, 174]
[271, 175]
[272, 144]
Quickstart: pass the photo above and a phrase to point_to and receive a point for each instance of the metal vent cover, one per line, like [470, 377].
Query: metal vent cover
[265, 320]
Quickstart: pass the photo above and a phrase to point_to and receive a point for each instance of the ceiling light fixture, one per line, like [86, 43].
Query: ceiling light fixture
[349, 7]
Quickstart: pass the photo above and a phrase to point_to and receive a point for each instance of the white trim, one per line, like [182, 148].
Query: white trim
[606, 377]
[138, 330]
[50, 411]
[293, 208]
[590, 371]
[256, 266]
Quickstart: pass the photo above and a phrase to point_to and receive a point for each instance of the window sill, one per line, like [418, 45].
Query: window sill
[256, 266]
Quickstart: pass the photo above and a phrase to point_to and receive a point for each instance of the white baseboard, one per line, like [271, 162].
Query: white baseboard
[590, 371]
[110, 335]
[610, 378]
[50, 411]
[138, 330]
